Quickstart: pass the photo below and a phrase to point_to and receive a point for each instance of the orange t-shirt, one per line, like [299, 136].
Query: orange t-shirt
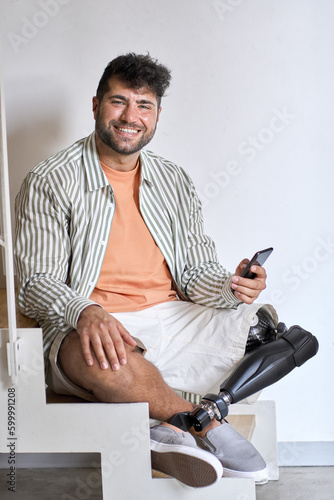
[134, 273]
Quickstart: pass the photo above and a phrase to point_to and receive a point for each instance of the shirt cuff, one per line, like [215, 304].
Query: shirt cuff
[75, 307]
[227, 293]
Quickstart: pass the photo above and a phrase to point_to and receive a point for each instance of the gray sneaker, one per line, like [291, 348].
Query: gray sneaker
[177, 454]
[237, 455]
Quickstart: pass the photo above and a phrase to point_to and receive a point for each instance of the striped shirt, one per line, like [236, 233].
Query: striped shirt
[64, 213]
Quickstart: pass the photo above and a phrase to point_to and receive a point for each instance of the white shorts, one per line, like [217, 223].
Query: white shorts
[194, 347]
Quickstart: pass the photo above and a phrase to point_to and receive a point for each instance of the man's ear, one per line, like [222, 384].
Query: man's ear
[158, 115]
[95, 106]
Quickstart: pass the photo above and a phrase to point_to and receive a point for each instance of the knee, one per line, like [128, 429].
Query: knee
[114, 386]
[109, 386]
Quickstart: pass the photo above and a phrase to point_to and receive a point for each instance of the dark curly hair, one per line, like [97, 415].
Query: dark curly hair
[137, 71]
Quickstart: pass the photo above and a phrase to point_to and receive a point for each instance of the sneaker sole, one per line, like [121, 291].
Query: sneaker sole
[191, 466]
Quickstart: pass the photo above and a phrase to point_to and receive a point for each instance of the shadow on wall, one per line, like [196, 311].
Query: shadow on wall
[35, 131]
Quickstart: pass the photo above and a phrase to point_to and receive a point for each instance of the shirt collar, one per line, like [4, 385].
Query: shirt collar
[147, 168]
[95, 175]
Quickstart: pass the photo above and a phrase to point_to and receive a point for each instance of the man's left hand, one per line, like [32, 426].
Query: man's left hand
[248, 290]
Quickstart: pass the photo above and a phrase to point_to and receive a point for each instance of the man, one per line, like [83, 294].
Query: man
[113, 263]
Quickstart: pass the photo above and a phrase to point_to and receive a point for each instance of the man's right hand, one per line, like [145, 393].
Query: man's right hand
[105, 336]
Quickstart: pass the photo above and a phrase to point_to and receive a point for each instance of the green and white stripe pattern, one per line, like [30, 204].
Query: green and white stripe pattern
[64, 213]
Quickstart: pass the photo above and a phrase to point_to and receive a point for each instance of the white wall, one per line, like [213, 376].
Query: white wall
[249, 116]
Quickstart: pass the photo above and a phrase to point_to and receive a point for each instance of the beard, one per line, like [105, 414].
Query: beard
[122, 145]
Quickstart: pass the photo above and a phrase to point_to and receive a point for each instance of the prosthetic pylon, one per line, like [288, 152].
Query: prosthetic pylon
[258, 369]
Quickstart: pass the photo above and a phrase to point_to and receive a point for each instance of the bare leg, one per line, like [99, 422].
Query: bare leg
[137, 381]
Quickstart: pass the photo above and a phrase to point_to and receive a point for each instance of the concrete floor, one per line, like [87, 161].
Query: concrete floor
[299, 483]
[295, 483]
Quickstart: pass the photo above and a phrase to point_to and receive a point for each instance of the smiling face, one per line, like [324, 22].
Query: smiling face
[126, 119]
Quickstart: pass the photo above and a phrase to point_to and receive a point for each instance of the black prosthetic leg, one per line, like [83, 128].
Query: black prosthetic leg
[261, 367]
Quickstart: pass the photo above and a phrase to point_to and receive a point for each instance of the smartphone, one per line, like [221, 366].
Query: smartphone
[257, 260]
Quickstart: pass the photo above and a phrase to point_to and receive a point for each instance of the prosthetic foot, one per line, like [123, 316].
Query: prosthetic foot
[259, 368]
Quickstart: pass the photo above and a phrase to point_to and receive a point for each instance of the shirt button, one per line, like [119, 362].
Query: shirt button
[102, 243]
